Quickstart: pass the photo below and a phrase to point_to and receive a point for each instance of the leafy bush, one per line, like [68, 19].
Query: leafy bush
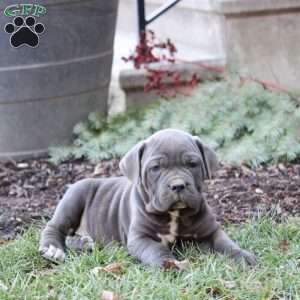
[243, 123]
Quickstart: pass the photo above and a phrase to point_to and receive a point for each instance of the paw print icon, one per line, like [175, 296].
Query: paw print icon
[24, 32]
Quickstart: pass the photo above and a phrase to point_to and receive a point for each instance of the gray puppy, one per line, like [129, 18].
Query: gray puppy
[157, 202]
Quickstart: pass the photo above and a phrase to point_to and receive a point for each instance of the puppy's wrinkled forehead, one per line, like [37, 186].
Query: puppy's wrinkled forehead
[171, 143]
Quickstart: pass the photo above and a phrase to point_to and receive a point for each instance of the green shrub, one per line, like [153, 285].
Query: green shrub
[243, 123]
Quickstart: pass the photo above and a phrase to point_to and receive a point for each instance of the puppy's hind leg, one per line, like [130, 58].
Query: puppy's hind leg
[66, 220]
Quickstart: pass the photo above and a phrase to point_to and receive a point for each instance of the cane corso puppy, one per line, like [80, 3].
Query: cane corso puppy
[159, 201]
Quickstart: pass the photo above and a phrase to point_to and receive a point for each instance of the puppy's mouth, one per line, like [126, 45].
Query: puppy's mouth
[178, 205]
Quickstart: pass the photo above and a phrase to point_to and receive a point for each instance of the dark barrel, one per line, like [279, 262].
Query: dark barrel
[45, 90]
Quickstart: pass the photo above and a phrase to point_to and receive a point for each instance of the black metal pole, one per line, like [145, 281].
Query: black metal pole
[141, 17]
[143, 21]
[161, 11]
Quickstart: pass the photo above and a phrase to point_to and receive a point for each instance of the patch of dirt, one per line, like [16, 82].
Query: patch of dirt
[238, 193]
[30, 190]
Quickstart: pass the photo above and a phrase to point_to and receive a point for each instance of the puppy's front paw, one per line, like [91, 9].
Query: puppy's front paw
[53, 253]
[246, 256]
[80, 243]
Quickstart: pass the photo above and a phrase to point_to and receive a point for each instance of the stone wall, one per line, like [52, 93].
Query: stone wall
[192, 25]
[262, 39]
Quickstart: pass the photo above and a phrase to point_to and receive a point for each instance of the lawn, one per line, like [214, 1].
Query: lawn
[25, 275]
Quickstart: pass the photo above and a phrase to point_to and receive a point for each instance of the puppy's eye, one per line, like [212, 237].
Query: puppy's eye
[192, 164]
[155, 168]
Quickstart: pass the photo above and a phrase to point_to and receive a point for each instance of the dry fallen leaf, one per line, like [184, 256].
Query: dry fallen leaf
[113, 269]
[283, 245]
[171, 264]
[2, 242]
[213, 291]
[109, 295]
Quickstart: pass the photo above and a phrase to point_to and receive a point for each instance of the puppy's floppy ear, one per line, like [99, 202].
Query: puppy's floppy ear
[210, 160]
[130, 164]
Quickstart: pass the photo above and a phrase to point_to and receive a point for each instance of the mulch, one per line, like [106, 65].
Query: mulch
[30, 190]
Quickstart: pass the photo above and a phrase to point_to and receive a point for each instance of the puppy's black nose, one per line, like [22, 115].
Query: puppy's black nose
[177, 186]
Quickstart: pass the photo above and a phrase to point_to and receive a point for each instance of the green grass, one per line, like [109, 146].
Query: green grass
[27, 276]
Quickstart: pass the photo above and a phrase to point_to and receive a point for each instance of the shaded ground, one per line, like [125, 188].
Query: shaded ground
[30, 190]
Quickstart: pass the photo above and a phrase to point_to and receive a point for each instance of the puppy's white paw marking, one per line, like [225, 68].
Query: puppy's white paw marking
[59, 255]
[52, 253]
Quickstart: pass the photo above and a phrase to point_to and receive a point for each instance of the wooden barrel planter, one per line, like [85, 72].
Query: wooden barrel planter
[46, 88]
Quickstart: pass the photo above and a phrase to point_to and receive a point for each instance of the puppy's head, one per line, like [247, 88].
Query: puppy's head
[170, 166]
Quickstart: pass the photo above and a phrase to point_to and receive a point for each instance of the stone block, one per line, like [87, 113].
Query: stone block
[133, 81]
[262, 39]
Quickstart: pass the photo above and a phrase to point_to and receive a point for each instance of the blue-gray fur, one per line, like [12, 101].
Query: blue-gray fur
[158, 201]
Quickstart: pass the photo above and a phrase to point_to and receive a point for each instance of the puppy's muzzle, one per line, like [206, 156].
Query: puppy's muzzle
[178, 186]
